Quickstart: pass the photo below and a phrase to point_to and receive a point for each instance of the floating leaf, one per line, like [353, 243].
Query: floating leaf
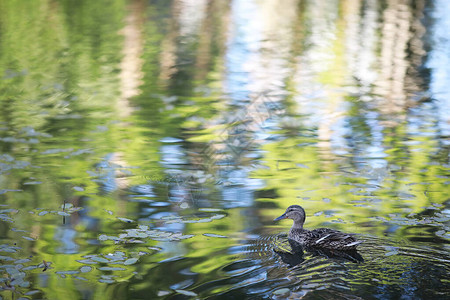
[43, 213]
[7, 248]
[136, 234]
[85, 269]
[78, 188]
[187, 236]
[66, 206]
[130, 261]
[133, 241]
[87, 261]
[143, 227]
[71, 272]
[9, 210]
[103, 237]
[6, 218]
[63, 213]
[117, 256]
[99, 259]
[80, 278]
[6, 258]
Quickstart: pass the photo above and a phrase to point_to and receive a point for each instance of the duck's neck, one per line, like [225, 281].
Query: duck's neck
[297, 224]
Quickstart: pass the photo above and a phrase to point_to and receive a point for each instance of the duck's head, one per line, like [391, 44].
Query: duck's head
[294, 212]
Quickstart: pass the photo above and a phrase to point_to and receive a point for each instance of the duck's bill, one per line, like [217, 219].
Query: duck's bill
[283, 216]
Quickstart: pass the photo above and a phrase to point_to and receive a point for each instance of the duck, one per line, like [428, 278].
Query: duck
[321, 238]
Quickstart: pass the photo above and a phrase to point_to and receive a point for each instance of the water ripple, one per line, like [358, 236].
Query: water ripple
[269, 269]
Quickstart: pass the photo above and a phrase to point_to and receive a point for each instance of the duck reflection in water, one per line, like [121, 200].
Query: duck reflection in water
[322, 241]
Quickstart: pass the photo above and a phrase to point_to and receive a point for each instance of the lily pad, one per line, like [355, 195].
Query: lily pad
[80, 278]
[99, 259]
[116, 256]
[85, 269]
[136, 234]
[130, 261]
[5, 218]
[63, 213]
[104, 237]
[87, 261]
[71, 272]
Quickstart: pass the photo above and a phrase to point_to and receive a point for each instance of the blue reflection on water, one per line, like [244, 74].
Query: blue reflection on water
[67, 238]
[245, 37]
[439, 62]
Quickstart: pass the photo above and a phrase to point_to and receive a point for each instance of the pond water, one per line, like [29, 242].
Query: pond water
[147, 146]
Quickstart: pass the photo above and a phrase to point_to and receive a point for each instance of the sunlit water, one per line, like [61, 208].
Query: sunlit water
[147, 147]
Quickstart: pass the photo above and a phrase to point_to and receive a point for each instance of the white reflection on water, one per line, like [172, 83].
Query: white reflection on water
[439, 62]
[191, 13]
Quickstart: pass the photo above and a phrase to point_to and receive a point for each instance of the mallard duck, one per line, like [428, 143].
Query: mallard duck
[324, 238]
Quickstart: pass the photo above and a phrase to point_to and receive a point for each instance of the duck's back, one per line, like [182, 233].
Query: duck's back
[324, 238]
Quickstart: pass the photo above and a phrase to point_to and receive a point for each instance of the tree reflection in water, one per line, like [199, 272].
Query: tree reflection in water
[147, 145]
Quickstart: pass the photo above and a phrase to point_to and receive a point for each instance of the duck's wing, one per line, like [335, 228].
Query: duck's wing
[329, 238]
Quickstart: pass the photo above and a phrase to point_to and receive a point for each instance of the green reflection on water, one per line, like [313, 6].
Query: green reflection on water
[134, 228]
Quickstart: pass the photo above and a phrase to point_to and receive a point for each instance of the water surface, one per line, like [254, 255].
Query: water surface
[146, 147]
